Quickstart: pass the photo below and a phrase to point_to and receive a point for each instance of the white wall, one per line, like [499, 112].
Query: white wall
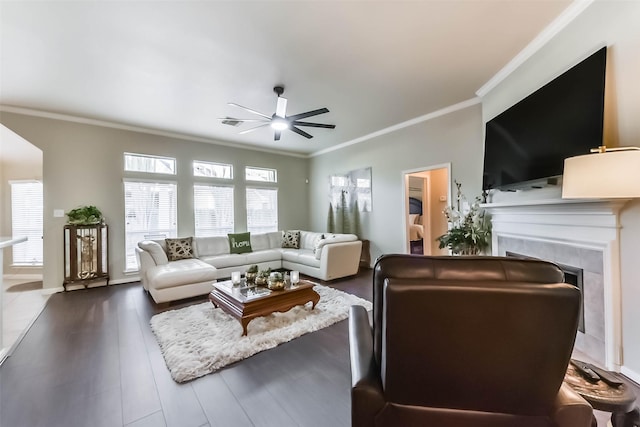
[83, 165]
[616, 25]
[454, 138]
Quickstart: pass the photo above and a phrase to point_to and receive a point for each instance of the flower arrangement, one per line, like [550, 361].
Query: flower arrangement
[469, 229]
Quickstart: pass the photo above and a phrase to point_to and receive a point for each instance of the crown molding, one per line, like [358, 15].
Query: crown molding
[548, 33]
[447, 110]
[113, 125]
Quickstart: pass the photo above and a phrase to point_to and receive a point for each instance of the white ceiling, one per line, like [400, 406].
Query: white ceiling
[173, 66]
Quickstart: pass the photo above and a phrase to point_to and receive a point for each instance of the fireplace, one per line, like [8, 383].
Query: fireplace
[572, 276]
[582, 238]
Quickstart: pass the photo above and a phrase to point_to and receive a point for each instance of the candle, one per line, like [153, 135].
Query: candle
[295, 277]
[235, 277]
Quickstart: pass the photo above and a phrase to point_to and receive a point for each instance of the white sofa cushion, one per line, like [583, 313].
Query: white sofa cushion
[228, 260]
[211, 246]
[308, 239]
[275, 239]
[155, 250]
[300, 256]
[266, 255]
[181, 272]
[260, 242]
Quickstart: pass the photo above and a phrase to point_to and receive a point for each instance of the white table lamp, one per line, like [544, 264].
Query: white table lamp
[607, 173]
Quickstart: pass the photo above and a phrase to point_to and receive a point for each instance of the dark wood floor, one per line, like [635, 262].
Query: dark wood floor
[90, 359]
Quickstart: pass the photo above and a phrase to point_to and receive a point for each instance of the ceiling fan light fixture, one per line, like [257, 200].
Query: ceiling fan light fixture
[279, 123]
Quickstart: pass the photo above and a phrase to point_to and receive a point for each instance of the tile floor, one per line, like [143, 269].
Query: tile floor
[19, 310]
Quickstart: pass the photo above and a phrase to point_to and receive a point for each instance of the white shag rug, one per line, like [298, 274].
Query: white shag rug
[201, 339]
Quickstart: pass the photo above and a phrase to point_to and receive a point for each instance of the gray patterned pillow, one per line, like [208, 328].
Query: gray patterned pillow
[291, 239]
[179, 248]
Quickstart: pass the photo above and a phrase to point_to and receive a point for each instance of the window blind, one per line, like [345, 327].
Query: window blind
[26, 221]
[150, 213]
[213, 210]
[262, 209]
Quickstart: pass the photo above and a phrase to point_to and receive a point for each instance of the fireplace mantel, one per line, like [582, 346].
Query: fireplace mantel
[578, 225]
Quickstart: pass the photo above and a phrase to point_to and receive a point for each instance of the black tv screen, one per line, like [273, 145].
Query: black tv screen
[529, 141]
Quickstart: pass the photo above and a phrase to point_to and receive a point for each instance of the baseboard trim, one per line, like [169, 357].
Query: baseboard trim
[630, 374]
[125, 280]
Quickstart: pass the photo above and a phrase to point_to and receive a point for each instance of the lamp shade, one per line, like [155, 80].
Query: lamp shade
[608, 175]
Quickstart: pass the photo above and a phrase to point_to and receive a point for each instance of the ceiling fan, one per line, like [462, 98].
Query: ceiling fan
[279, 121]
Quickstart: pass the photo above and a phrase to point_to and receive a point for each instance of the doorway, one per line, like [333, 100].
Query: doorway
[21, 215]
[427, 192]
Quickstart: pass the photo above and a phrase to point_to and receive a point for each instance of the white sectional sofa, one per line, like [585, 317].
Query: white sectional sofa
[325, 256]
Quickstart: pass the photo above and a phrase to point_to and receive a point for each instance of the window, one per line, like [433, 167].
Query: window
[260, 174]
[150, 213]
[262, 210]
[339, 181]
[213, 209]
[149, 164]
[26, 221]
[212, 170]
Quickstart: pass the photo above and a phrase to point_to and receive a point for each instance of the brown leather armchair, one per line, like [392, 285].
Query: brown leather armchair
[465, 341]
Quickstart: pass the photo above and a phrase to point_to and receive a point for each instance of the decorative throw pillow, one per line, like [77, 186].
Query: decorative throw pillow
[239, 243]
[316, 244]
[291, 239]
[179, 248]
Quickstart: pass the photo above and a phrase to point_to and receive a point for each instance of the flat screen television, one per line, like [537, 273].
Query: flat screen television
[528, 142]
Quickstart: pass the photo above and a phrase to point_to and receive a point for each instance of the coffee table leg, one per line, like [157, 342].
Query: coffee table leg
[244, 323]
[315, 300]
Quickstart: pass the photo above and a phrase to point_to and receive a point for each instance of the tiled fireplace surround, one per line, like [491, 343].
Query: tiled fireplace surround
[582, 234]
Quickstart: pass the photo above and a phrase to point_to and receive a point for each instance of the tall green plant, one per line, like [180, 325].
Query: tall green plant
[356, 219]
[331, 221]
[345, 213]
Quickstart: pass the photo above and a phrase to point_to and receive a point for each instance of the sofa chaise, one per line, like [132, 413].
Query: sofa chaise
[325, 256]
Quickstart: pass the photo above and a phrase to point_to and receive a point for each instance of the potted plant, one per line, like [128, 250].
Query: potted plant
[84, 215]
[251, 273]
[469, 229]
[276, 281]
[262, 277]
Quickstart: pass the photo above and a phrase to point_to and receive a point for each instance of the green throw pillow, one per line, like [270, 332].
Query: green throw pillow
[239, 243]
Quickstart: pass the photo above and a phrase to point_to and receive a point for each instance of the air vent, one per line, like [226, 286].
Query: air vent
[231, 121]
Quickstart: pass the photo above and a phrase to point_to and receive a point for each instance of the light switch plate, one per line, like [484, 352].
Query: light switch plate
[58, 213]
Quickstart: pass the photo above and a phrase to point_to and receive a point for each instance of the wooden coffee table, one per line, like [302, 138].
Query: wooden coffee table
[246, 303]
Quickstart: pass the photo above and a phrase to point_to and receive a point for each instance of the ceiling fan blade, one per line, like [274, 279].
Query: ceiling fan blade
[301, 132]
[281, 107]
[308, 114]
[249, 110]
[242, 120]
[253, 128]
[276, 135]
[315, 125]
